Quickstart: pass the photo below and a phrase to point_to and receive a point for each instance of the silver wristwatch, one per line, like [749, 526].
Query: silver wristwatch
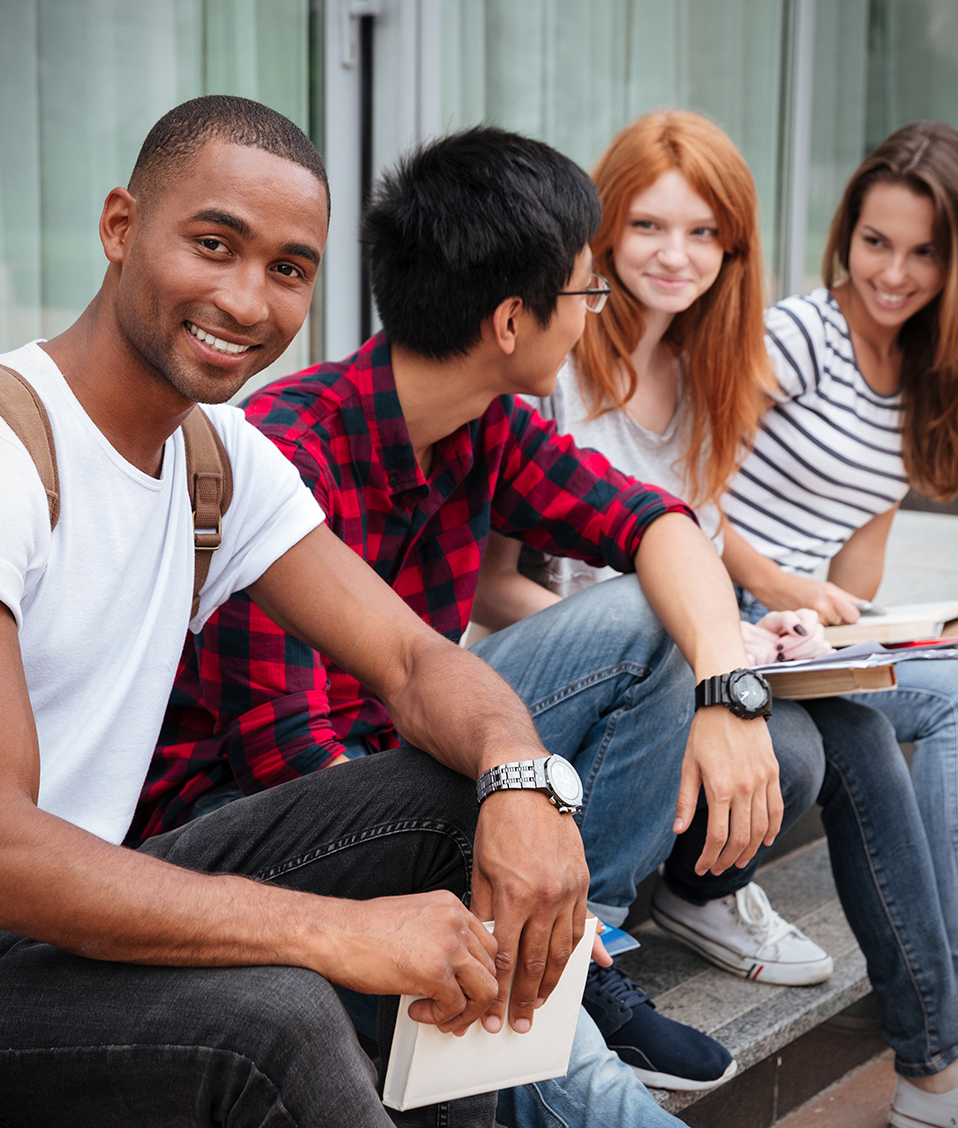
[553, 775]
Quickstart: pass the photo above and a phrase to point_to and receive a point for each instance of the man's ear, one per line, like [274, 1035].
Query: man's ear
[504, 324]
[120, 212]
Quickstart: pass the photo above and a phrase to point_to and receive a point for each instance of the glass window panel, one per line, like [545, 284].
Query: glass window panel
[573, 74]
[81, 82]
[879, 64]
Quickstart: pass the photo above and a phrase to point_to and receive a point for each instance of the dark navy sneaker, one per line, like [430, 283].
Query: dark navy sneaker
[664, 1054]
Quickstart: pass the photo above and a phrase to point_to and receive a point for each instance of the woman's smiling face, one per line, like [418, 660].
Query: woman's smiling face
[893, 269]
[669, 252]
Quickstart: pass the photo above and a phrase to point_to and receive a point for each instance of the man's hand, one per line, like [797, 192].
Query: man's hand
[531, 878]
[423, 944]
[733, 759]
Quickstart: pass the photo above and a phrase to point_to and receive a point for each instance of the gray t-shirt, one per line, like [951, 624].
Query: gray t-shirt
[630, 448]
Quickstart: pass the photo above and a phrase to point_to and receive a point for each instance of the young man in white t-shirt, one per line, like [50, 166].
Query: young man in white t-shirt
[139, 991]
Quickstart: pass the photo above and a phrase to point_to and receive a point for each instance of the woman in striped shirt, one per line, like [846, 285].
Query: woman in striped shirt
[868, 368]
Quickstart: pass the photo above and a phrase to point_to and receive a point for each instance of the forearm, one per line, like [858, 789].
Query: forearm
[688, 588]
[504, 595]
[440, 697]
[756, 573]
[483, 724]
[64, 886]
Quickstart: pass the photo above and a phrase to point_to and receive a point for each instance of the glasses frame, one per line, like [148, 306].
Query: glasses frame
[597, 293]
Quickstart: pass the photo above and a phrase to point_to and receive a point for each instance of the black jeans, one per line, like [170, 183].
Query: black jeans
[90, 1044]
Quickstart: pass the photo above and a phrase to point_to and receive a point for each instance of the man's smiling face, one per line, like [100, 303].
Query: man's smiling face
[218, 268]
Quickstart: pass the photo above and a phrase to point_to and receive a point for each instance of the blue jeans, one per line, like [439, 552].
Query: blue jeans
[84, 1043]
[893, 841]
[924, 711]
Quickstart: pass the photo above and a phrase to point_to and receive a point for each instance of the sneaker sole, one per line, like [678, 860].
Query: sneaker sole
[780, 975]
[683, 1084]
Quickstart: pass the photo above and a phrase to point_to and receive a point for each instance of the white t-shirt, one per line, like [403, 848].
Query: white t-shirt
[828, 455]
[102, 603]
[633, 450]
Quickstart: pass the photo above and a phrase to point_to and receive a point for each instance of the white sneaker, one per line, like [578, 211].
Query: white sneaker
[912, 1107]
[745, 935]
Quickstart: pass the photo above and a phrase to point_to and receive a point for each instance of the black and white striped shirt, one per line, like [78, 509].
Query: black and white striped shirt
[828, 456]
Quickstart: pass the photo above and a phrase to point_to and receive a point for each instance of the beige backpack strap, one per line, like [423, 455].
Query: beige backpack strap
[23, 410]
[210, 482]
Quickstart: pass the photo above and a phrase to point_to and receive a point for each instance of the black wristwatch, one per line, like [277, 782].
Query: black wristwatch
[553, 775]
[743, 692]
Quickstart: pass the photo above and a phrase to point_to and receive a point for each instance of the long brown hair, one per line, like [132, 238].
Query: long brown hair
[720, 337]
[924, 158]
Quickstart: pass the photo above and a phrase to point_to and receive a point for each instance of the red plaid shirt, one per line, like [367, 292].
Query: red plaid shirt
[250, 702]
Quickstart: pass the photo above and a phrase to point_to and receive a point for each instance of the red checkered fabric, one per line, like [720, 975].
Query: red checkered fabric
[250, 702]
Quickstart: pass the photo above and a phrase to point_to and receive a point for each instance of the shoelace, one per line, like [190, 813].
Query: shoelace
[754, 908]
[618, 985]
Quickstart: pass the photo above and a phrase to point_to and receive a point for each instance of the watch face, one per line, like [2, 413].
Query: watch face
[564, 779]
[749, 691]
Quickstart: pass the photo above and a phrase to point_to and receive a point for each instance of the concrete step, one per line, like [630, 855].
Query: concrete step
[756, 1020]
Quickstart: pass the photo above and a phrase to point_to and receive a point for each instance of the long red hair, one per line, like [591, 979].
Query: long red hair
[720, 338]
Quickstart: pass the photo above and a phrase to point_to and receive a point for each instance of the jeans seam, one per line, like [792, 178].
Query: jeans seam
[639, 673]
[545, 1108]
[889, 917]
[598, 760]
[383, 830]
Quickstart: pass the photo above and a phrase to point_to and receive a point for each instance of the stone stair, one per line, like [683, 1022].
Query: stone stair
[756, 1021]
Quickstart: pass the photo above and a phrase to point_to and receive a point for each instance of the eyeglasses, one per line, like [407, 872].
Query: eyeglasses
[593, 297]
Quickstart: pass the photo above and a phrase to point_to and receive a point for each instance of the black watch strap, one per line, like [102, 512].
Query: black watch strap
[718, 690]
[712, 691]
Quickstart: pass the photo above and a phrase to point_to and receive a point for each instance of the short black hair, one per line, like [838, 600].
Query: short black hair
[467, 221]
[180, 134]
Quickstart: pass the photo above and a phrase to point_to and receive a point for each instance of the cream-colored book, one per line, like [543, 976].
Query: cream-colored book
[426, 1067]
[903, 623]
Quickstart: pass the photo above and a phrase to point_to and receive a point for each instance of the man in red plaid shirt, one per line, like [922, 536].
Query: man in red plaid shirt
[415, 448]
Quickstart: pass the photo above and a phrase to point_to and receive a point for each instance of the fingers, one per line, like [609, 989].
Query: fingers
[799, 634]
[715, 838]
[599, 954]
[532, 879]
[687, 801]
[776, 811]
[462, 995]
[838, 607]
[759, 644]
[543, 953]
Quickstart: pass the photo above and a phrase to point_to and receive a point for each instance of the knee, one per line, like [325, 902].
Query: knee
[284, 1018]
[861, 749]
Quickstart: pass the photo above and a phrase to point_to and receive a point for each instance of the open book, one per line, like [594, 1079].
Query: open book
[862, 668]
[900, 624]
[426, 1066]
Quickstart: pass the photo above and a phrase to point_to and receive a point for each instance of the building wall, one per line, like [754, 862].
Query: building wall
[804, 87]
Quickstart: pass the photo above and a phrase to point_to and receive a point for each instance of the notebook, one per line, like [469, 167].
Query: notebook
[426, 1066]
